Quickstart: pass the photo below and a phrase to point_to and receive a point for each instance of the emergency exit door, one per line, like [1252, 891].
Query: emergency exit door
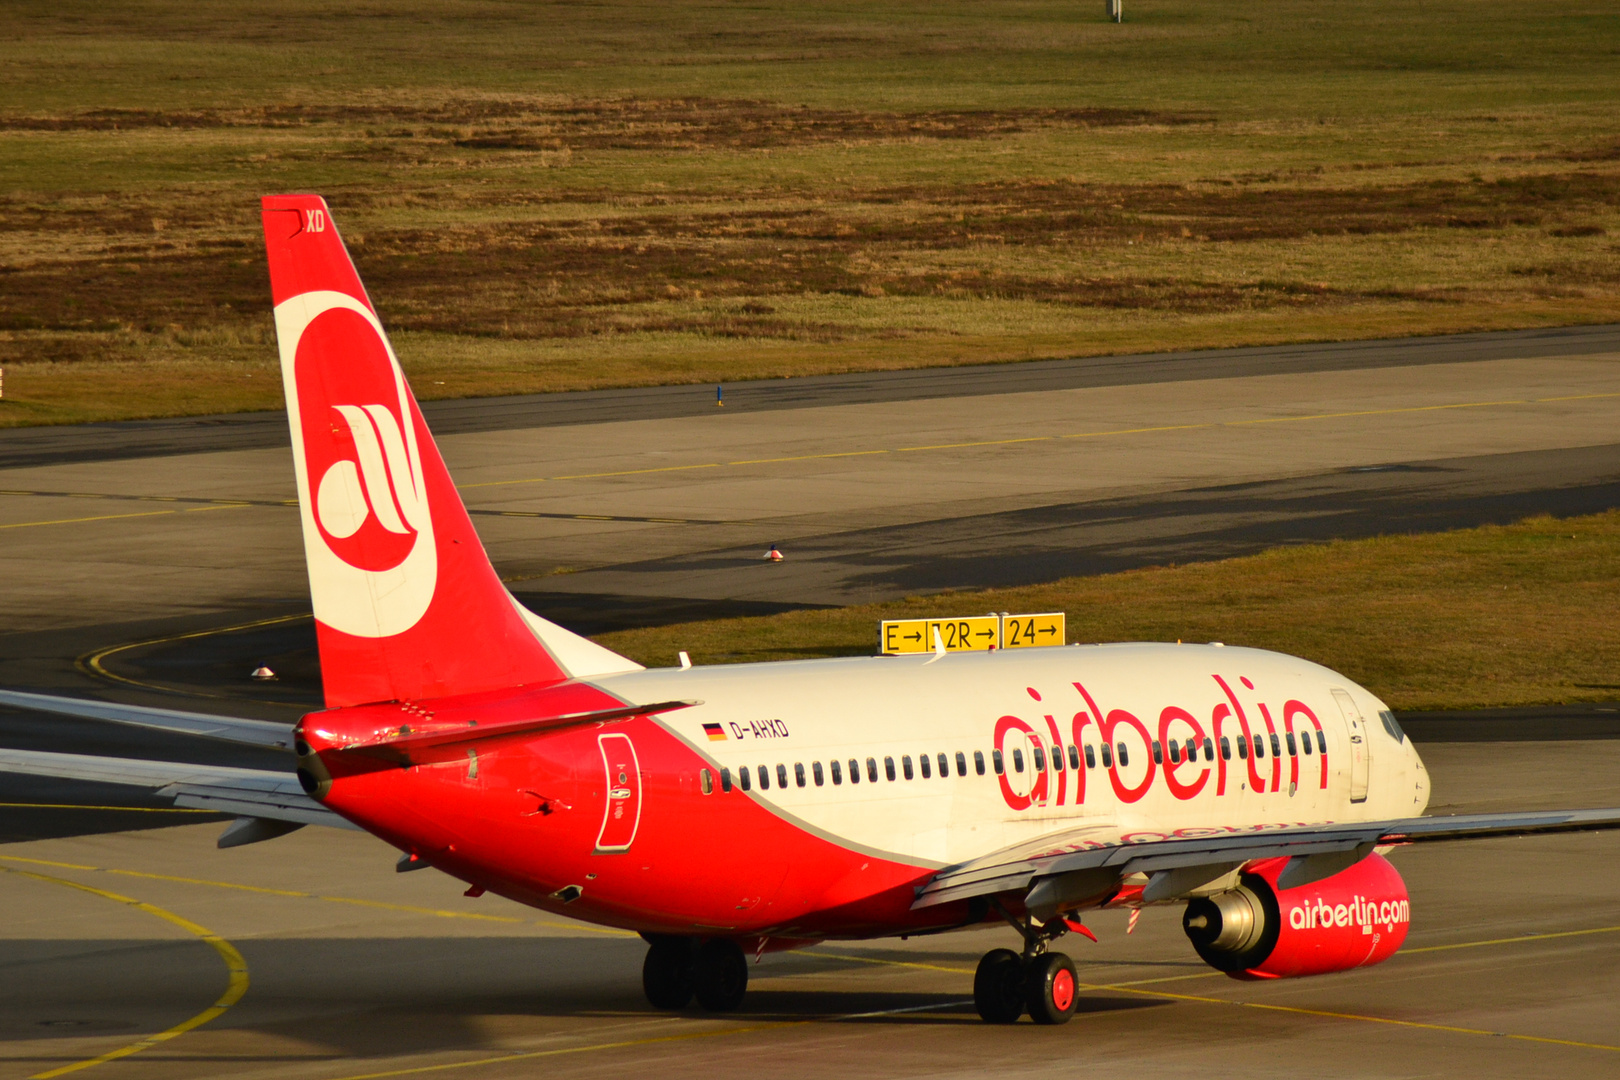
[623, 811]
[1360, 750]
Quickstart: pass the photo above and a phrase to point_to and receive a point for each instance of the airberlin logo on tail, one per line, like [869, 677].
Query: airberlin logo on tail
[376, 483]
[368, 531]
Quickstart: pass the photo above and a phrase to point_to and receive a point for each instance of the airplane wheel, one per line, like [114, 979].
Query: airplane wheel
[666, 974]
[998, 987]
[1050, 988]
[720, 975]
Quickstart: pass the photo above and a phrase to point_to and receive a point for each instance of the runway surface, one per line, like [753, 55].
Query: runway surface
[165, 579]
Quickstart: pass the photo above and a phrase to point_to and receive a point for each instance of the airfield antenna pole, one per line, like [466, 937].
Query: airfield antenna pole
[1116, 10]
[720, 396]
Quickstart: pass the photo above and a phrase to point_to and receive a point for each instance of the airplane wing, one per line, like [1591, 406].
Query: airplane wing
[1071, 864]
[228, 728]
[265, 803]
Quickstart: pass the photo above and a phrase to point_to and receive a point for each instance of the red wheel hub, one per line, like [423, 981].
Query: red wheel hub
[1063, 990]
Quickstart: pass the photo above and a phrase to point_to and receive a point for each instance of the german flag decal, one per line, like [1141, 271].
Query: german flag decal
[715, 732]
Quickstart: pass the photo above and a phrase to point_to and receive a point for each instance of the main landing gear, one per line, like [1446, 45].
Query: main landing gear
[677, 969]
[1039, 982]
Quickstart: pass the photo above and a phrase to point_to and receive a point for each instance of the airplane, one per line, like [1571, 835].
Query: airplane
[735, 810]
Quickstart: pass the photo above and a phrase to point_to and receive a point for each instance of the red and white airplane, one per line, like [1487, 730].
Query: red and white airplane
[736, 810]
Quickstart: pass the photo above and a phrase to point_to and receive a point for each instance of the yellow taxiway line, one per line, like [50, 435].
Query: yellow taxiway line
[1103, 434]
[234, 964]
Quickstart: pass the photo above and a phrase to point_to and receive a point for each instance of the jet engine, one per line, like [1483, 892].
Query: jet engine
[1357, 917]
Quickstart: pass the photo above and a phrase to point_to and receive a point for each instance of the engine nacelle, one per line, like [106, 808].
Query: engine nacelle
[1357, 917]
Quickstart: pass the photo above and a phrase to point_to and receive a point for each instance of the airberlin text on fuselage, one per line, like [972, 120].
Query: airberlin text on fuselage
[1191, 752]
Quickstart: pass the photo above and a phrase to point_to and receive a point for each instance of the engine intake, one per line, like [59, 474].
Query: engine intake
[1357, 917]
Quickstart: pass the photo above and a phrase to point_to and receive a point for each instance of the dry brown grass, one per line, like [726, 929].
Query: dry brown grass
[541, 200]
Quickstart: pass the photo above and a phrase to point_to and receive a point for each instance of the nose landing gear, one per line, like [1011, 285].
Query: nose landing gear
[677, 969]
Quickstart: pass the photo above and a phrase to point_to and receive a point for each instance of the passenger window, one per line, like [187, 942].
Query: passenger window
[1243, 748]
[1292, 749]
[1108, 756]
[1321, 740]
[1091, 758]
[815, 771]
[1158, 753]
[905, 763]
[1259, 747]
[1175, 752]
[781, 776]
[706, 781]
[871, 769]
[995, 759]
[1209, 750]
[1018, 760]
[888, 767]
[1276, 745]
[944, 767]
[854, 771]
[725, 779]
[764, 777]
[978, 762]
[1124, 758]
[742, 775]
[922, 759]
[1305, 741]
[1226, 748]
[1074, 756]
[961, 764]
[1039, 753]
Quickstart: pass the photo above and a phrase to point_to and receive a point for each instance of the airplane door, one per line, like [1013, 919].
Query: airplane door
[1360, 750]
[623, 812]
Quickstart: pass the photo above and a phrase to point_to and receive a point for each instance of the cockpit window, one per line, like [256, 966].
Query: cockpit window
[1391, 725]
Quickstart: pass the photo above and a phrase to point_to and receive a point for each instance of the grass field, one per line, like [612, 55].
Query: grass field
[547, 195]
[1502, 615]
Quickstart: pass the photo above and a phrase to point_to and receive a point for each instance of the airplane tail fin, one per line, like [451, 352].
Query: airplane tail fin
[407, 605]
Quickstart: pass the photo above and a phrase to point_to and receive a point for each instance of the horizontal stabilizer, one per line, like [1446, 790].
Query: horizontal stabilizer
[204, 725]
[418, 747]
[259, 793]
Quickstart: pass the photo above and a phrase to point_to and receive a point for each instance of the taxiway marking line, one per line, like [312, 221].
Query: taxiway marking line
[1511, 940]
[1354, 1016]
[883, 961]
[115, 517]
[220, 504]
[234, 964]
[91, 662]
[532, 1055]
[294, 894]
[619, 1044]
[86, 806]
[1109, 433]
[1133, 987]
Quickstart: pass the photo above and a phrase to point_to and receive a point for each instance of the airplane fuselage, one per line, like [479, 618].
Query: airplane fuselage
[808, 799]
